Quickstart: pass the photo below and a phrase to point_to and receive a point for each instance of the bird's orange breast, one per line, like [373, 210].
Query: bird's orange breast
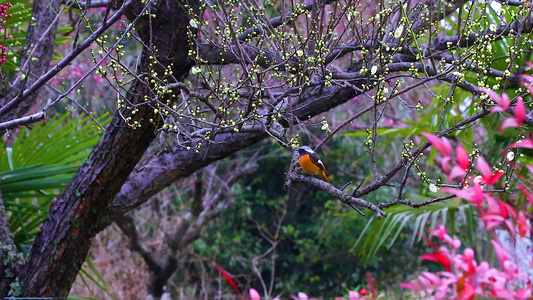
[308, 166]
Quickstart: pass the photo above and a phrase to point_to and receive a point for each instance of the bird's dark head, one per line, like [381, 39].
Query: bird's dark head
[303, 150]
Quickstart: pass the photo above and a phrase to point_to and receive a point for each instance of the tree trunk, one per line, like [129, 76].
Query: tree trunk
[65, 237]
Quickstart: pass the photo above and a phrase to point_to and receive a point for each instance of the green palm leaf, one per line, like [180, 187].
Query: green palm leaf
[385, 232]
[38, 166]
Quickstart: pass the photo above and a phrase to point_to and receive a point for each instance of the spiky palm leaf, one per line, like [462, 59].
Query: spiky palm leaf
[385, 232]
[38, 166]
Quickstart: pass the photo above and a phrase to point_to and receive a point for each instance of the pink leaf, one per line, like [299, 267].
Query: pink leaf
[302, 296]
[440, 232]
[492, 221]
[496, 109]
[411, 285]
[501, 253]
[353, 295]
[474, 194]
[526, 143]
[456, 172]
[228, 278]
[505, 103]
[509, 209]
[462, 158]
[520, 111]
[424, 281]
[486, 172]
[484, 168]
[492, 94]
[438, 257]
[469, 254]
[469, 292]
[503, 210]
[432, 277]
[456, 243]
[523, 227]
[526, 192]
[447, 146]
[527, 77]
[524, 293]
[510, 225]
[494, 207]
[254, 295]
[495, 178]
[511, 122]
[442, 145]
[528, 86]
[444, 164]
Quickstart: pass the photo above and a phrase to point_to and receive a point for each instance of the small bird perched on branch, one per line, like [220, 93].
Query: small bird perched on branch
[311, 163]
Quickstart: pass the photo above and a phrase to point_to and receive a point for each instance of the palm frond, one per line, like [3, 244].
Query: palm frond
[38, 166]
[385, 232]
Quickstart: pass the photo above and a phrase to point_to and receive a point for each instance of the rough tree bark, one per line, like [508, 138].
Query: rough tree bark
[65, 237]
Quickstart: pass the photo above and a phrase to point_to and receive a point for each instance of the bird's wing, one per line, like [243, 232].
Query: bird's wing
[314, 157]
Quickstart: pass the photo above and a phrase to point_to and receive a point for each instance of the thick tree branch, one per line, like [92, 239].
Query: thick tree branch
[280, 20]
[36, 117]
[86, 4]
[186, 231]
[338, 194]
[127, 225]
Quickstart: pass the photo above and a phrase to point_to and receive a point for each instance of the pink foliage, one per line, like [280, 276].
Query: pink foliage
[442, 144]
[3, 17]
[254, 295]
[464, 277]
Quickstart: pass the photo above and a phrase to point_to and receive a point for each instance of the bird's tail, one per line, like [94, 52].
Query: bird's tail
[325, 176]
